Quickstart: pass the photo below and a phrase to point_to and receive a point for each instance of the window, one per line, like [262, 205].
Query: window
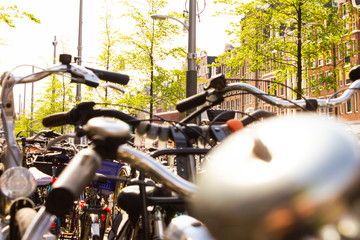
[321, 62]
[353, 23]
[339, 53]
[356, 102]
[347, 81]
[340, 81]
[312, 85]
[321, 80]
[281, 90]
[312, 64]
[347, 52]
[345, 11]
[305, 85]
[347, 59]
[237, 104]
[267, 90]
[348, 106]
[328, 60]
[341, 109]
[218, 70]
[228, 105]
[232, 105]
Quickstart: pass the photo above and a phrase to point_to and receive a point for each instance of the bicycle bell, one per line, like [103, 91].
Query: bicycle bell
[287, 178]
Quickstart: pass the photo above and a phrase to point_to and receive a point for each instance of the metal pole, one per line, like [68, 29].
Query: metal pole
[24, 98]
[54, 44]
[53, 81]
[32, 105]
[191, 73]
[79, 59]
[20, 110]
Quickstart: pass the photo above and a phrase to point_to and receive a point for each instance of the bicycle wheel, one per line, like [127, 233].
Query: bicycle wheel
[123, 172]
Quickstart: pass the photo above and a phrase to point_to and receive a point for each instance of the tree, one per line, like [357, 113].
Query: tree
[50, 102]
[147, 50]
[109, 58]
[287, 37]
[23, 125]
[8, 14]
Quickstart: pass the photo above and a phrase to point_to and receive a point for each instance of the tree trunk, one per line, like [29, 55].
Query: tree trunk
[299, 56]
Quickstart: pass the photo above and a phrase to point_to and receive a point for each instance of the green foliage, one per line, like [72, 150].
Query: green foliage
[110, 58]
[57, 97]
[286, 37]
[9, 13]
[147, 50]
[169, 86]
[23, 125]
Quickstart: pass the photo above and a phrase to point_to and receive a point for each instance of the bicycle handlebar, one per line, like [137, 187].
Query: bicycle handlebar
[84, 111]
[80, 114]
[160, 173]
[213, 96]
[113, 77]
[294, 103]
[188, 103]
[88, 76]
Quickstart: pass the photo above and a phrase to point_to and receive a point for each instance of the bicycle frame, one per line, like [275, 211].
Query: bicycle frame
[13, 153]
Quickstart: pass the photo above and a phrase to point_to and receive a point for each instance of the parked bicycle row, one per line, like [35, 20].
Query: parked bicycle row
[281, 178]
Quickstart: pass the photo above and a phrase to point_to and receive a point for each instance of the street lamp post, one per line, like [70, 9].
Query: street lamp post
[79, 58]
[53, 81]
[163, 17]
[191, 73]
[186, 166]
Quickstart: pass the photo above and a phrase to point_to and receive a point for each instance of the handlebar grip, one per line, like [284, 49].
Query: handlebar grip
[72, 181]
[113, 77]
[191, 102]
[354, 73]
[55, 120]
[24, 218]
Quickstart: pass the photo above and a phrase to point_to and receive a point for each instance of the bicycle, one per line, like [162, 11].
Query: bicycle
[11, 159]
[206, 196]
[110, 136]
[84, 112]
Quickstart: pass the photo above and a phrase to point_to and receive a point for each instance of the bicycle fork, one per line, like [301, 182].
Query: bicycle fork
[95, 226]
[159, 225]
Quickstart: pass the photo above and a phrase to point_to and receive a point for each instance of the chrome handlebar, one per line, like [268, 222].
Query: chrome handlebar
[293, 103]
[85, 76]
[157, 171]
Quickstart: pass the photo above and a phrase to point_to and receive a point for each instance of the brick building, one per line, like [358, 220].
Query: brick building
[320, 67]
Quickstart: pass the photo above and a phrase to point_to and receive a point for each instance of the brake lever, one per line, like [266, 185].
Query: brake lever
[213, 99]
[113, 86]
[60, 138]
[87, 76]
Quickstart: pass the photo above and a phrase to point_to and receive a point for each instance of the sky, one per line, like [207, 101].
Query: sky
[31, 43]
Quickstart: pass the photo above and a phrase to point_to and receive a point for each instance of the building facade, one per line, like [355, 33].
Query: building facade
[247, 103]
